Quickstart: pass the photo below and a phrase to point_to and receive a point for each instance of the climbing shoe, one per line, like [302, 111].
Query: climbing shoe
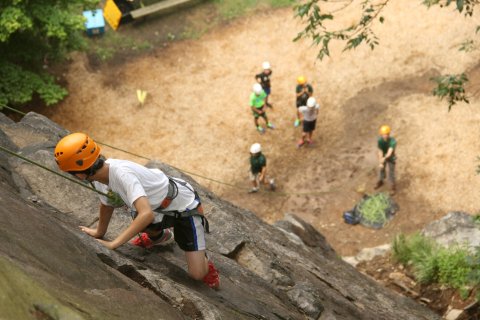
[272, 185]
[212, 278]
[378, 185]
[296, 123]
[261, 129]
[253, 190]
[270, 125]
[145, 241]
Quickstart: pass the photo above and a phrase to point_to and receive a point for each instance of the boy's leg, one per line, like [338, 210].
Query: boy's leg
[197, 264]
[391, 175]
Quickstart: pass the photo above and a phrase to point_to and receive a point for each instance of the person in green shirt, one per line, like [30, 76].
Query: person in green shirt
[386, 157]
[258, 169]
[257, 104]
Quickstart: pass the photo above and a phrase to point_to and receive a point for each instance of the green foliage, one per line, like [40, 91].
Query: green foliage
[32, 35]
[454, 267]
[407, 249]
[467, 5]
[451, 87]
[316, 20]
[373, 209]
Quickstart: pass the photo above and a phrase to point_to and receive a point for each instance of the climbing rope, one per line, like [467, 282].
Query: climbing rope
[52, 171]
[276, 193]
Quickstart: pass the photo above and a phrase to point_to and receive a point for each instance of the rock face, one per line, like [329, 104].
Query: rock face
[456, 228]
[53, 271]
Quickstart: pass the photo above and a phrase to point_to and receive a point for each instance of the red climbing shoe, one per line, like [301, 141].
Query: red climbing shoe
[212, 279]
[144, 240]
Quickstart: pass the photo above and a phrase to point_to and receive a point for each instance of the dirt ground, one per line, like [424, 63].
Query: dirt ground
[196, 116]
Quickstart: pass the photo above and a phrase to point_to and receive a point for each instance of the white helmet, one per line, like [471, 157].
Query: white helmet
[266, 65]
[257, 88]
[255, 148]
[311, 102]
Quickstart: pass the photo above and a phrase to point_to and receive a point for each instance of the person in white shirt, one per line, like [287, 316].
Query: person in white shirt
[157, 203]
[310, 113]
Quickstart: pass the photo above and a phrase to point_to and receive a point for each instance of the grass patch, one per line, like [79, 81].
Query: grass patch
[431, 263]
[373, 209]
[230, 9]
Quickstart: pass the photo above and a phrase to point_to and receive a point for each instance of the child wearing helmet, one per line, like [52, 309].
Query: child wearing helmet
[157, 202]
[258, 169]
[303, 91]
[386, 157]
[257, 105]
[310, 112]
[264, 79]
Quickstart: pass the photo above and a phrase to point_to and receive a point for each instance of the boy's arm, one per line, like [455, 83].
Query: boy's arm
[389, 153]
[104, 219]
[142, 220]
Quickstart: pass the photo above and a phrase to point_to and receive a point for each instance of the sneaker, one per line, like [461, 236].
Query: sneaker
[270, 125]
[253, 190]
[272, 184]
[261, 129]
[296, 123]
[310, 141]
[145, 241]
[378, 185]
[300, 143]
[212, 278]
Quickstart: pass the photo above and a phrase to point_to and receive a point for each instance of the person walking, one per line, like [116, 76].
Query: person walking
[264, 79]
[156, 201]
[257, 105]
[303, 91]
[258, 169]
[386, 157]
[310, 113]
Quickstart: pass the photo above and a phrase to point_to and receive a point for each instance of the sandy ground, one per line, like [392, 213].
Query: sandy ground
[197, 117]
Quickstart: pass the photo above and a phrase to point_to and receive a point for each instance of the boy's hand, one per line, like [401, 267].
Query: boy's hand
[91, 232]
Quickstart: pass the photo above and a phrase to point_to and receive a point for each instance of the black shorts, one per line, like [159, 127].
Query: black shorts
[309, 126]
[189, 232]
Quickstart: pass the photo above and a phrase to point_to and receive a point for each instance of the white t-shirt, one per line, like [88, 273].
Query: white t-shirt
[131, 181]
[309, 114]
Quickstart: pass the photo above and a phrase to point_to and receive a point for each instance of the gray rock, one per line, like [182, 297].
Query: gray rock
[456, 228]
[267, 272]
[306, 298]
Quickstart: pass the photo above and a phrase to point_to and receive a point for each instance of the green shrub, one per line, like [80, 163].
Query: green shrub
[454, 267]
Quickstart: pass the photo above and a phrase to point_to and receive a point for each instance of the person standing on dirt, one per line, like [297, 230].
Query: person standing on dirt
[257, 104]
[264, 79]
[303, 91]
[386, 157]
[310, 112]
[157, 202]
[258, 169]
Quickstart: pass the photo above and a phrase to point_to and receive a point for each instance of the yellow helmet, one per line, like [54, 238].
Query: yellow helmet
[384, 130]
[76, 152]
[301, 80]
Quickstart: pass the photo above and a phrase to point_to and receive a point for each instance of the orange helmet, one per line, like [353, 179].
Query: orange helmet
[76, 152]
[301, 80]
[385, 130]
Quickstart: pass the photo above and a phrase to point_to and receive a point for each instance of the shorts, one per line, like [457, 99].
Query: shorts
[309, 126]
[189, 232]
[257, 115]
[267, 90]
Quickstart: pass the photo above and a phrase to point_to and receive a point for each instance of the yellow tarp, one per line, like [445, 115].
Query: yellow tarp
[112, 14]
